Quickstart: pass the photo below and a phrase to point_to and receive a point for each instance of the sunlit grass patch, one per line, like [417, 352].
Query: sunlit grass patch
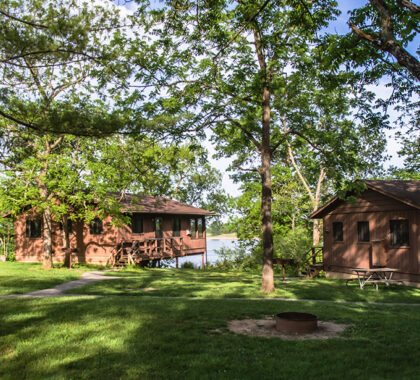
[213, 284]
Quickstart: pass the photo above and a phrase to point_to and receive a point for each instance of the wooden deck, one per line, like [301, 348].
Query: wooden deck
[140, 250]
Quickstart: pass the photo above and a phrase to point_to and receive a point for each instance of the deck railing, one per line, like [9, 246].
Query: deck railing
[137, 250]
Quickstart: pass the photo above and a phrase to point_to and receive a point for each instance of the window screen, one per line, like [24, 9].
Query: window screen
[176, 226]
[137, 224]
[363, 231]
[193, 228]
[158, 228]
[33, 228]
[69, 226]
[200, 228]
[399, 232]
[95, 227]
[338, 231]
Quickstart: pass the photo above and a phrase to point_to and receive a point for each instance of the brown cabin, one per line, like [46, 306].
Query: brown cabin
[160, 228]
[380, 229]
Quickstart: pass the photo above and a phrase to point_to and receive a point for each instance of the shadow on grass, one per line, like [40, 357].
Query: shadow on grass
[126, 337]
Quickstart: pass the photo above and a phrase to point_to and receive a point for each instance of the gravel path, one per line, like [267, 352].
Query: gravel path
[57, 291]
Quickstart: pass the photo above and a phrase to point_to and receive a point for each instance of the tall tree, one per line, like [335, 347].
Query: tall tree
[227, 66]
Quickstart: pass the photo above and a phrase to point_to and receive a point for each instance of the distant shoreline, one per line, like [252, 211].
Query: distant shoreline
[222, 237]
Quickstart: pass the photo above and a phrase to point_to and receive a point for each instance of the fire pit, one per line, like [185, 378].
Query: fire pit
[298, 323]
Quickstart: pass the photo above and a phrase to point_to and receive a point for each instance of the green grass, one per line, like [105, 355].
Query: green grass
[143, 337]
[211, 284]
[152, 338]
[18, 278]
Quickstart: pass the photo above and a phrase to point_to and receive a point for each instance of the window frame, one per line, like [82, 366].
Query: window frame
[193, 228]
[200, 234]
[30, 235]
[69, 226]
[360, 231]
[155, 219]
[135, 217]
[96, 227]
[404, 234]
[176, 222]
[341, 232]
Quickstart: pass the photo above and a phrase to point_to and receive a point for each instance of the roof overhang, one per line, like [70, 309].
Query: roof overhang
[322, 211]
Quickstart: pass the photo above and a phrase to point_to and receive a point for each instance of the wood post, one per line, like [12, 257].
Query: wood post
[176, 259]
[202, 261]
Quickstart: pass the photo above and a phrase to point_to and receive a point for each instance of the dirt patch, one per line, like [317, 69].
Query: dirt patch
[267, 328]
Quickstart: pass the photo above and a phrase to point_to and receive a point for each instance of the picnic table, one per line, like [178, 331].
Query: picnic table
[374, 276]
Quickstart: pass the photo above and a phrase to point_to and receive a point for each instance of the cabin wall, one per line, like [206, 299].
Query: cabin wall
[96, 249]
[378, 210]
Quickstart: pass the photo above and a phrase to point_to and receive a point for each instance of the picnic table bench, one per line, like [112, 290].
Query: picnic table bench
[374, 276]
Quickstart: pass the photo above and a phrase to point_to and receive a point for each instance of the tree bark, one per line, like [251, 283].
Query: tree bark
[47, 239]
[316, 232]
[267, 285]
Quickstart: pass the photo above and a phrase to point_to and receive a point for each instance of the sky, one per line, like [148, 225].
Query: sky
[338, 26]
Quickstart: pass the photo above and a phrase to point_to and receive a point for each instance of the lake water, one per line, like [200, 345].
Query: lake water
[212, 246]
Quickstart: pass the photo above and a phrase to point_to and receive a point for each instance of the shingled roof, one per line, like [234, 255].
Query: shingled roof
[407, 192]
[146, 204]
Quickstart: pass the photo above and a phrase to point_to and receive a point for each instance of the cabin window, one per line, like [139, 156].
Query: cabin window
[158, 223]
[193, 227]
[69, 226]
[399, 232]
[33, 228]
[95, 227]
[176, 226]
[200, 228]
[338, 231]
[363, 231]
[136, 224]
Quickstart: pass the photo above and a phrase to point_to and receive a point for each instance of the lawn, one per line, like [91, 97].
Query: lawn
[152, 338]
[212, 284]
[18, 278]
[136, 336]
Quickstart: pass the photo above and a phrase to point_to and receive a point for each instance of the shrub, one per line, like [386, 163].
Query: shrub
[187, 265]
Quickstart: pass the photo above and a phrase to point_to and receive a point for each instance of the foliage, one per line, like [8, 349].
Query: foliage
[187, 265]
[293, 244]
[66, 44]
[239, 258]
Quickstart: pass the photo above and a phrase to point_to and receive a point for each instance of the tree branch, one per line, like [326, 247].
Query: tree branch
[15, 18]
[253, 17]
[247, 133]
[410, 6]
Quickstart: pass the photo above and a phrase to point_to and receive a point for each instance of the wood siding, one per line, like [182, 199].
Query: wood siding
[96, 249]
[378, 210]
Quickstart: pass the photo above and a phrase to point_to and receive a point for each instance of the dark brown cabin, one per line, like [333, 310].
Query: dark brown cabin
[160, 228]
[381, 228]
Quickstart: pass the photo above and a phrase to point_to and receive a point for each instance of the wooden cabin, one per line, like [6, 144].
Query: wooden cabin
[160, 228]
[380, 229]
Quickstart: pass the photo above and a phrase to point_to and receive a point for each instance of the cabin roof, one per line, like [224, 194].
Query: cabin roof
[146, 204]
[407, 192]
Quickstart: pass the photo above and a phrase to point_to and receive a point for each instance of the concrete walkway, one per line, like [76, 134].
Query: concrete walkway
[57, 291]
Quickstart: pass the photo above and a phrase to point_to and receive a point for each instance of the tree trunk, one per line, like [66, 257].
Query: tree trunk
[267, 285]
[66, 243]
[47, 239]
[316, 232]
